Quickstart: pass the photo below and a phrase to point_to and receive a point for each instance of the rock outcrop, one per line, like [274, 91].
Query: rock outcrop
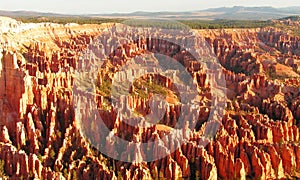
[46, 69]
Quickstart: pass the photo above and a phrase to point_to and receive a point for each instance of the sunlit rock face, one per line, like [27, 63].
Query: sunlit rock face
[41, 137]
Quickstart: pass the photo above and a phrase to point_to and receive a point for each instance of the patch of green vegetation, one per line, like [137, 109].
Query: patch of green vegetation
[271, 74]
[52, 154]
[194, 24]
[67, 19]
[58, 133]
[221, 24]
[105, 87]
[2, 168]
[65, 173]
[156, 24]
[292, 18]
[119, 175]
[201, 24]
[293, 30]
[74, 175]
[138, 113]
[40, 157]
[144, 87]
[296, 31]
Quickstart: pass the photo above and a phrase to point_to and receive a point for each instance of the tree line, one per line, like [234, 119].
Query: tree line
[194, 24]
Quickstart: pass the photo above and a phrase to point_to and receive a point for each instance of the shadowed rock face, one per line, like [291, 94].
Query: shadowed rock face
[40, 136]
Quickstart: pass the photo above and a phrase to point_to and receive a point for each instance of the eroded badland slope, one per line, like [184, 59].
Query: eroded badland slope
[258, 135]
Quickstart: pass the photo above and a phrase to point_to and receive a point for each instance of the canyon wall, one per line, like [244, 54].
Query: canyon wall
[40, 137]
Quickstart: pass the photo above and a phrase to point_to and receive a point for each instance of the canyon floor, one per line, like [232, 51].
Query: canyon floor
[65, 113]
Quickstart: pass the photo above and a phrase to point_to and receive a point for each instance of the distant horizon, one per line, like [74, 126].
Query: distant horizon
[108, 13]
[77, 7]
[52, 12]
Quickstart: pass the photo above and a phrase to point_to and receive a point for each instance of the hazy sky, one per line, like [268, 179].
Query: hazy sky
[110, 6]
